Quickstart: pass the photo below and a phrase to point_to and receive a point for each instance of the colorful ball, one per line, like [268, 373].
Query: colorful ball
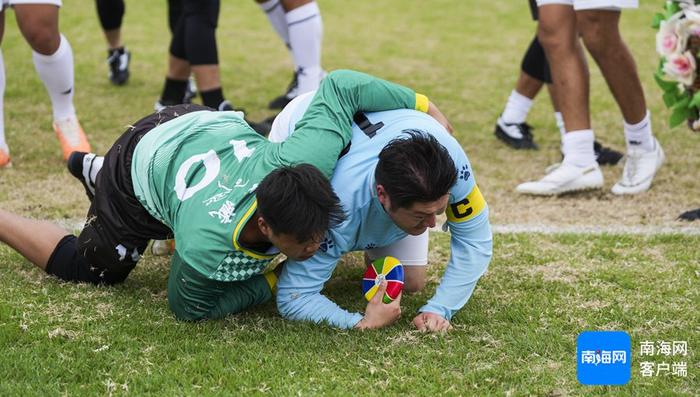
[386, 268]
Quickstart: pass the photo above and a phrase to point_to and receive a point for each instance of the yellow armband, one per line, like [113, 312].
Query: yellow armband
[467, 208]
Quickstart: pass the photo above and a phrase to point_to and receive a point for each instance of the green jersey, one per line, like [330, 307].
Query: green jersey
[198, 172]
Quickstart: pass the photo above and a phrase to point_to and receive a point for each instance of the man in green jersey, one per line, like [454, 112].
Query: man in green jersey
[232, 199]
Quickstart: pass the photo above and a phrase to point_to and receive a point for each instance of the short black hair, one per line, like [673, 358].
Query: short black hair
[414, 169]
[299, 201]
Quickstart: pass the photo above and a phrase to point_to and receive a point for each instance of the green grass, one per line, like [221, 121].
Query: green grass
[516, 336]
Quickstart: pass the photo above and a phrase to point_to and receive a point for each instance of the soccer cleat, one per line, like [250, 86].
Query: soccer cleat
[564, 179]
[690, 215]
[118, 61]
[71, 136]
[605, 155]
[80, 165]
[515, 135]
[292, 91]
[640, 168]
[5, 160]
[190, 92]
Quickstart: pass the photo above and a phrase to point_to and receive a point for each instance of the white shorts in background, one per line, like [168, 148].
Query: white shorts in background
[593, 4]
[5, 3]
[410, 250]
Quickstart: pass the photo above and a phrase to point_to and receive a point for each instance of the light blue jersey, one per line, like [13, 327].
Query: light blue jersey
[369, 226]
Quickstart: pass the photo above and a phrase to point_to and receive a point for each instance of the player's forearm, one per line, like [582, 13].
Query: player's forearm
[358, 91]
[471, 247]
[315, 308]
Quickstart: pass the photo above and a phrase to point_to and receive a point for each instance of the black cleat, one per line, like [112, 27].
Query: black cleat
[281, 101]
[605, 155]
[517, 136]
[118, 61]
[75, 167]
[690, 215]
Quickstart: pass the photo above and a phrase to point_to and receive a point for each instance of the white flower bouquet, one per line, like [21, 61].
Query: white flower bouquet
[678, 44]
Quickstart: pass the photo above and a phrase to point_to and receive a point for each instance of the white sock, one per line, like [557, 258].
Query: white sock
[56, 71]
[3, 143]
[92, 164]
[560, 124]
[277, 17]
[305, 36]
[578, 148]
[517, 108]
[639, 135]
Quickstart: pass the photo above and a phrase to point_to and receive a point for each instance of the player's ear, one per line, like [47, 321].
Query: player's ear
[383, 196]
[263, 226]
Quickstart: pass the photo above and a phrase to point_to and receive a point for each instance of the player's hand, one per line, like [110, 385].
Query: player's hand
[431, 322]
[435, 113]
[379, 314]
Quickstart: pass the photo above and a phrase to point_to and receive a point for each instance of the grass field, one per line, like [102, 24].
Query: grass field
[516, 336]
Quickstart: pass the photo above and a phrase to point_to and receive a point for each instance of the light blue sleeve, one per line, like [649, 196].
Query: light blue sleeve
[299, 291]
[471, 244]
[471, 250]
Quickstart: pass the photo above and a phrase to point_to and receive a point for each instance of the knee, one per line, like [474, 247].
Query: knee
[43, 39]
[413, 285]
[181, 308]
[553, 37]
[598, 35]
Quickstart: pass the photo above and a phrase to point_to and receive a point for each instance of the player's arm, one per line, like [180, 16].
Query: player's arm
[299, 297]
[299, 292]
[470, 246]
[326, 127]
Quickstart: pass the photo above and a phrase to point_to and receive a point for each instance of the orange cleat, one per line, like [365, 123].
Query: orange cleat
[5, 160]
[71, 136]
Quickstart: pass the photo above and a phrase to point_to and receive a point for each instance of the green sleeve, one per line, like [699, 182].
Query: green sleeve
[326, 127]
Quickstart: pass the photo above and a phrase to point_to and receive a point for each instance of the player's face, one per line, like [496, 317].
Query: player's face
[418, 217]
[288, 245]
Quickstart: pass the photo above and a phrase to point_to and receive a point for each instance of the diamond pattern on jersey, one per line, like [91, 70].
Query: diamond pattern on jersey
[237, 266]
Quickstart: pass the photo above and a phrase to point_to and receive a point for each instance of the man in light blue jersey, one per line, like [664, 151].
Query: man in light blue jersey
[401, 171]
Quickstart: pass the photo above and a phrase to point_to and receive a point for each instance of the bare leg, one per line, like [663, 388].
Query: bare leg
[601, 35]
[114, 38]
[527, 85]
[178, 69]
[39, 26]
[35, 240]
[293, 4]
[559, 37]
[207, 77]
[414, 278]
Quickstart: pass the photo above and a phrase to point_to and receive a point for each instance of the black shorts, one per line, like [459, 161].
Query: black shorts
[118, 228]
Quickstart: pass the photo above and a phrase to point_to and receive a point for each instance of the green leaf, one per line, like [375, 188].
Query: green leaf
[670, 99]
[657, 19]
[695, 101]
[671, 8]
[680, 113]
[666, 86]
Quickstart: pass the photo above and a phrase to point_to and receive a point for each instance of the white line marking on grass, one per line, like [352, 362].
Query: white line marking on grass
[591, 229]
[597, 230]
[694, 230]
